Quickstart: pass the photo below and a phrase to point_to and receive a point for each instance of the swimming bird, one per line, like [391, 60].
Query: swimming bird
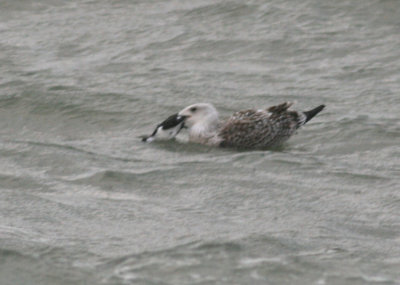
[168, 129]
[257, 129]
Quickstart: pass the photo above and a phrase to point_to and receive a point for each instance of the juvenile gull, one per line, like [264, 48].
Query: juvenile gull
[244, 129]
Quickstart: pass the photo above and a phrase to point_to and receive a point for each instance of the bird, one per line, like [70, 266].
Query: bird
[247, 129]
[167, 129]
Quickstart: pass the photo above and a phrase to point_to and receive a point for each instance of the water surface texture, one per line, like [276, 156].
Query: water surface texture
[84, 201]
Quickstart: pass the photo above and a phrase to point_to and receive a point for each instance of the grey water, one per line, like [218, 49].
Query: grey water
[84, 201]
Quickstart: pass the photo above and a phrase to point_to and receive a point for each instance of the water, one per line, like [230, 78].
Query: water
[84, 201]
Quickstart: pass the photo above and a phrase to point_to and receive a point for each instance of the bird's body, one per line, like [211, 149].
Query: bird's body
[251, 129]
[259, 129]
[244, 129]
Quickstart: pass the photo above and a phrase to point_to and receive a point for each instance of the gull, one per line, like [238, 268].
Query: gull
[248, 129]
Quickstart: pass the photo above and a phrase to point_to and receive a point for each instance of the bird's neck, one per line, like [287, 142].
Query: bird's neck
[203, 131]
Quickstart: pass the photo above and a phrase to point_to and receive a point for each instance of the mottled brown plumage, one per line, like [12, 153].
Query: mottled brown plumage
[260, 128]
[245, 129]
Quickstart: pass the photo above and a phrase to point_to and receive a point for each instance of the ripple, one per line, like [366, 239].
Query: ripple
[84, 201]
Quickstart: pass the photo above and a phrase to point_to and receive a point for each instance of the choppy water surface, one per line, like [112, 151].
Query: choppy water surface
[84, 201]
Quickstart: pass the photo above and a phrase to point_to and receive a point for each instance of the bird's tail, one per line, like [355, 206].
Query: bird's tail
[310, 114]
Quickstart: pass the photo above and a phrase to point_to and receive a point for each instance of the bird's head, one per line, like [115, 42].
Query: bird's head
[200, 116]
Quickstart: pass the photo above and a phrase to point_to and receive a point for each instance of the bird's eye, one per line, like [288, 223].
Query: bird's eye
[193, 109]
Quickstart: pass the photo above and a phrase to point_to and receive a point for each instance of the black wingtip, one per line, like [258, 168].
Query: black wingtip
[172, 121]
[310, 114]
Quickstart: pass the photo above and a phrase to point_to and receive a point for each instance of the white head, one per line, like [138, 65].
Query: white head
[200, 118]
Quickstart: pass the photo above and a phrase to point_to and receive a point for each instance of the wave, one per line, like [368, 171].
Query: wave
[250, 260]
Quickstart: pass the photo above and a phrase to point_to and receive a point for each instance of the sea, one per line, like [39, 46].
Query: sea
[84, 201]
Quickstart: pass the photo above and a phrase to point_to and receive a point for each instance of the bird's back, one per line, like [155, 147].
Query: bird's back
[260, 128]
